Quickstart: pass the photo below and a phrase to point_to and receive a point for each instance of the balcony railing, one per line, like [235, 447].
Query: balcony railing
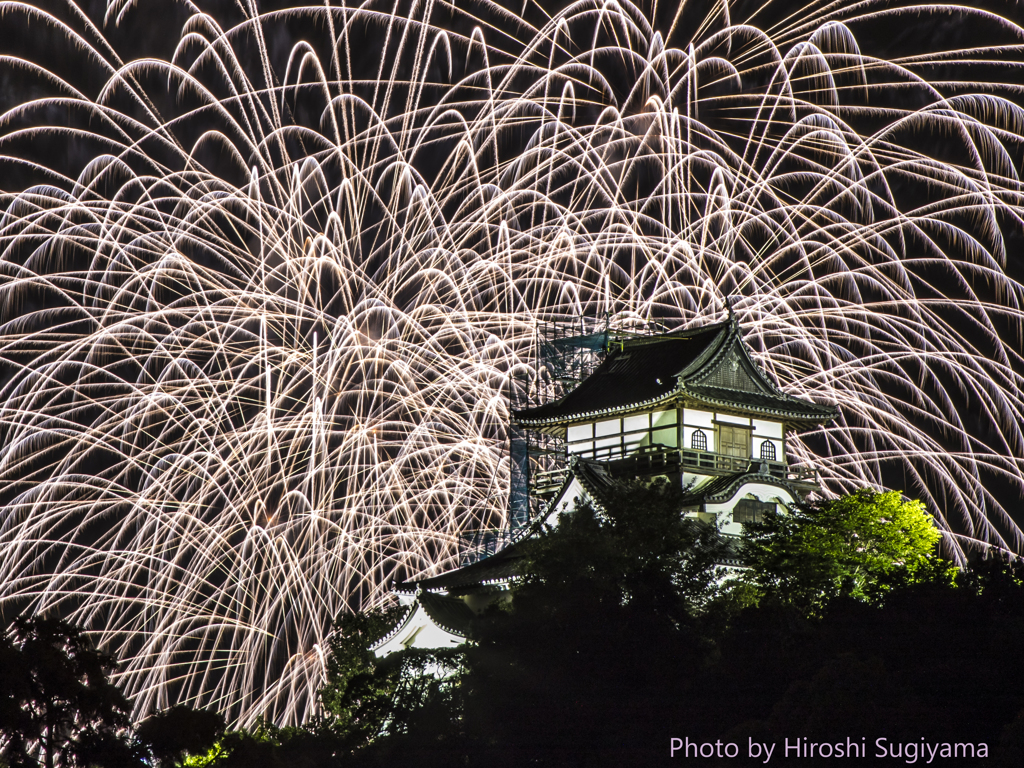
[651, 457]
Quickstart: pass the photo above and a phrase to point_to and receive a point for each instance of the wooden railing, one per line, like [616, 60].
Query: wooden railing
[699, 462]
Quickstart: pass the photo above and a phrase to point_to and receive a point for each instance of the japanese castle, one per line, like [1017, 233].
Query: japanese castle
[690, 405]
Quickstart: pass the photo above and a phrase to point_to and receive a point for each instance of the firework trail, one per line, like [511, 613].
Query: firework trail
[261, 297]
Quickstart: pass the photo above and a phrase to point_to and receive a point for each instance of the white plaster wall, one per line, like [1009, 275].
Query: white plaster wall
[758, 439]
[688, 436]
[419, 632]
[703, 419]
[631, 423]
[665, 436]
[585, 447]
[696, 480]
[772, 429]
[567, 501]
[762, 491]
[580, 432]
[578, 439]
[664, 418]
[432, 636]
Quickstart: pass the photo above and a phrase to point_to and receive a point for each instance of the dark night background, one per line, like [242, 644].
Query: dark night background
[56, 158]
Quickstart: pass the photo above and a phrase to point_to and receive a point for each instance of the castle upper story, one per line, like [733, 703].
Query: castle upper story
[694, 398]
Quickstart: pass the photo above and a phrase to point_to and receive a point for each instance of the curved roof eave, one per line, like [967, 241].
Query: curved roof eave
[403, 622]
[588, 415]
[803, 416]
[681, 393]
[733, 488]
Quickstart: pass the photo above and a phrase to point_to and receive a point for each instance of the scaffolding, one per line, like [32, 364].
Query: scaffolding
[566, 351]
[479, 544]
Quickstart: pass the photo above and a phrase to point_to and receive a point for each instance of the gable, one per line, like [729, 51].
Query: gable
[709, 366]
[730, 373]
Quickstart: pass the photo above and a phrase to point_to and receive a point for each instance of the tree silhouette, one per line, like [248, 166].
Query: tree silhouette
[59, 708]
[180, 730]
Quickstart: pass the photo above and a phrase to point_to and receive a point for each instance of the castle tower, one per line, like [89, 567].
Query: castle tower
[690, 405]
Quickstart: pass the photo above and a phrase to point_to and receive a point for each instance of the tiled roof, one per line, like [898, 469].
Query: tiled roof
[499, 567]
[449, 613]
[635, 371]
[706, 365]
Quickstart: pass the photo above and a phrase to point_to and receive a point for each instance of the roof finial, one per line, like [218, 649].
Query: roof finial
[730, 302]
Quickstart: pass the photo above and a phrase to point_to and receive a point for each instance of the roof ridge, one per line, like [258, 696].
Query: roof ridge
[678, 334]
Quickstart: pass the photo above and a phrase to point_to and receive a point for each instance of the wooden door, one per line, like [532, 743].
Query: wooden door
[734, 441]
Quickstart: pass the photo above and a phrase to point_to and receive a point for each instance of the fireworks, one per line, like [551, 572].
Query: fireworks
[259, 316]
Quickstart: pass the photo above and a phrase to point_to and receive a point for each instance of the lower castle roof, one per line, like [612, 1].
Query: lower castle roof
[597, 480]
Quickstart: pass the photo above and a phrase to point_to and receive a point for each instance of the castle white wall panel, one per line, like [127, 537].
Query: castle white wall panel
[771, 429]
[580, 432]
[664, 418]
[631, 423]
[703, 419]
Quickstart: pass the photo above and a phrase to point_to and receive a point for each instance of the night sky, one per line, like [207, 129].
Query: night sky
[244, 306]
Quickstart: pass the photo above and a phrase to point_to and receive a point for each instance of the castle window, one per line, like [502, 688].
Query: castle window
[767, 450]
[699, 441]
[750, 510]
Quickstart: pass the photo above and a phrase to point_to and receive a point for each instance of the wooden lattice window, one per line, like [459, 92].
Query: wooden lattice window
[699, 440]
[767, 450]
[750, 510]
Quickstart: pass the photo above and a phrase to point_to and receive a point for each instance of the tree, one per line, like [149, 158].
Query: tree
[609, 614]
[358, 693]
[613, 633]
[59, 708]
[639, 548]
[611, 620]
[170, 735]
[862, 546]
[268, 746]
[932, 661]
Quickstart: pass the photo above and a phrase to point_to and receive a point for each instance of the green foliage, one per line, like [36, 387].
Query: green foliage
[267, 746]
[862, 546]
[595, 593]
[426, 689]
[172, 734]
[933, 661]
[619, 634]
[58, 707]
[612, 617]
[359, 692]
[638, 551]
